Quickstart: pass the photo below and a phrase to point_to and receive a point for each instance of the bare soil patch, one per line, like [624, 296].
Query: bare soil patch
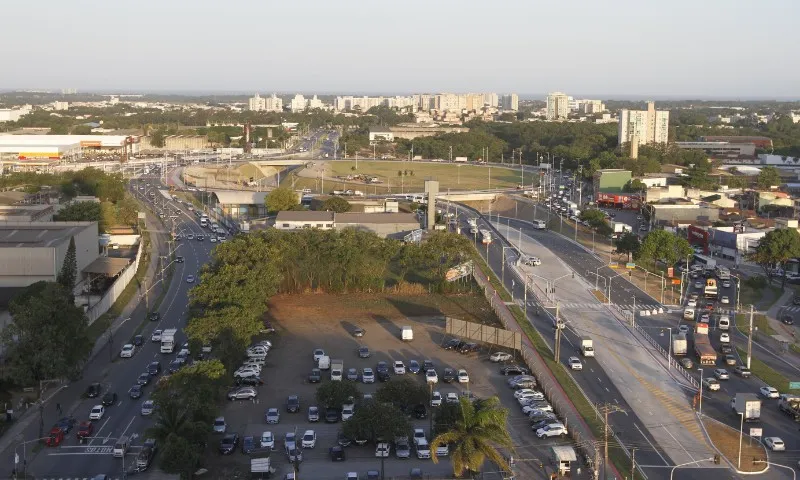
[726, 439]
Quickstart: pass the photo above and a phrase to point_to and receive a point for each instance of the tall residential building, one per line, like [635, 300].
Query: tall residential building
[450, 102]
[315, 103]
[298, 103]
[269, 104]
[590, 106]
[256, 103]
[557, 105]
[491, 99]
[643, 126]
[510, 102]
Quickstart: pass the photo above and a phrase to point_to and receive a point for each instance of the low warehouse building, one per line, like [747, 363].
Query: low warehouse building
[34, 251]
[395, 225]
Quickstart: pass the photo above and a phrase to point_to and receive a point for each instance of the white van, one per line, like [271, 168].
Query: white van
[121, 447]
[539, 225]
[407, 334]
[724, 322]
[324, 362]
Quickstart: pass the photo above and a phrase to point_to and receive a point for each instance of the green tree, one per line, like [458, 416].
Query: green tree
[775, 249]
[663, 246]
[158, 138]
[108, 216]
[375, 420]
[403, 392]
[635, 185]
[335, 394]
[228, 349]
[80, 212]
[48, 336]
[336, 204]
[69, 269]
[628, 244]
[476, 436]
[81, 130]
[281, 199]
[768, 177]
[127, 212]
[179, 456]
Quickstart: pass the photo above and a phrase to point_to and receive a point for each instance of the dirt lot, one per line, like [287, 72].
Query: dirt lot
[306, 322]
[726, 439]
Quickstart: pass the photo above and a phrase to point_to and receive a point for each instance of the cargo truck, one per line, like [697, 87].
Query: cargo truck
[619, 227]
[587, 349]
[790, 405]
[748, 404]
[679, 344]
[337, 367]
[702, 345]
[168, 340]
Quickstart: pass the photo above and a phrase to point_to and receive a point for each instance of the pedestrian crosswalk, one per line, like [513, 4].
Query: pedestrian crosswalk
[791, 309]
[599, 306]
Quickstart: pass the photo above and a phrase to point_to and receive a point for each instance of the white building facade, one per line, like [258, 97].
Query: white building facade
[557, 106]
[643, 126]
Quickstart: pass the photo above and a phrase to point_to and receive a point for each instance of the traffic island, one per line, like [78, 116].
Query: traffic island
[726, 440]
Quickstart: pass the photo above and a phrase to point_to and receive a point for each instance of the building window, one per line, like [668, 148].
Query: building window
[329, 225]
[285, 225]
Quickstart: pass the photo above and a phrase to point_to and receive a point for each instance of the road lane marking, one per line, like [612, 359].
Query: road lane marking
[97, 433]
[129, 426]
[651, 445]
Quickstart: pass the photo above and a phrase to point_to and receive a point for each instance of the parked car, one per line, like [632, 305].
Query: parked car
[272, 416]
[449, 375]
[243, 393]
[414, 367]
[500, 357]
[514, 370]
[293, 404]
[315, 376]
[228, 443]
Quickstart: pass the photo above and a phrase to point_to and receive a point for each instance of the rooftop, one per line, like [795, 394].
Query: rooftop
[39, 234]
[383, 218]
[107, 266]
[304, 216]
[237, 197]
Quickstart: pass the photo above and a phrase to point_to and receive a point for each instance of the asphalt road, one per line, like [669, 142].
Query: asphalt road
[123, 418]
[715, 404]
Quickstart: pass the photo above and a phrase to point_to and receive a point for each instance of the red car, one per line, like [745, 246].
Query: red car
[55, 438]
[85, 430]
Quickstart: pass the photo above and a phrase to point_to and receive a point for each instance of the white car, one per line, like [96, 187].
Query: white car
[309, 439]
[769, 392]
[724, 300]
[711, 384]
[399, 367]
[190, 279]
[528, 393]
[451, 397]
[367, 375]
[348, 409]
[724, 337]
[127, 351]
[691, 304]
[552, 430]
[537, 407]
[213, 239]
[436, 399]
[431, 376]
[775, 444]
[246, 372]
[267, 440]
[382, 450]
[419, 435]
[318, 353]
[97, 412]
[156, 336]
[463, 376]
[575, 363]
[500, 357]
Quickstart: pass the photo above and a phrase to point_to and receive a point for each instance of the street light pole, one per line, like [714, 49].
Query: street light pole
[700, 400]
[741, 434]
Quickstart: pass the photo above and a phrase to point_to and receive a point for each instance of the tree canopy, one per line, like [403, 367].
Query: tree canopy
[768, 177]
[664, 246]
[281, 199]
[336, 394]
[776, 248]
[374, 420]
[336, 204]
[628, 244]
[48, 337]
[403, 392]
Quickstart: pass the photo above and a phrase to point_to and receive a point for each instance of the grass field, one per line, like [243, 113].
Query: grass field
[726, 439]
[453, 176]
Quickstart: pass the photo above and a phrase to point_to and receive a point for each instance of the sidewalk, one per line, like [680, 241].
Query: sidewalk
[29, 416]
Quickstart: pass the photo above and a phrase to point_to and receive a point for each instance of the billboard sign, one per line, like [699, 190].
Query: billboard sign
[459, 271]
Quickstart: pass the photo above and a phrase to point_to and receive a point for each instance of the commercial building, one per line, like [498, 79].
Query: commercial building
[759, 142]
[674, 211]
[55, 147]
[730, 243]
[643, 127]
[238, 205]
[26, 213]
[395, 225]
[721, 150]
[34, 251]
[410, 132]
[177, 142]
[378, 133]
[265, 104]
[557, 106]
[14, 114]
[611, 180]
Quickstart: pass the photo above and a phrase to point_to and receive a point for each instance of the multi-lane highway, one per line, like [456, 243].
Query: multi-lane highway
[123, 418]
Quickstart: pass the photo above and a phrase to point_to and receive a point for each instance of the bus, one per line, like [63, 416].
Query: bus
[704, 261]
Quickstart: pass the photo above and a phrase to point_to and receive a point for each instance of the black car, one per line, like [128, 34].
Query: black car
[248, 445]
[382, 367]
[449, 375]
[363, 352]
[514, 370]
[315, 376]
[383, 376]
[337, 453]
[228, 443]
[787, 319]
[154, 316]
[94, 390]
[135, 392]
[420, 411]
[249, 381]
[154, 369]
[293, 404]
[174, 366]
[178, 259]
[468, 348]
[342, 439]
[332, 415]
[138, 340]
[427, 365]
[109, 399]
[143, 379]
[726, 348]
[358, 332]
[453, 344]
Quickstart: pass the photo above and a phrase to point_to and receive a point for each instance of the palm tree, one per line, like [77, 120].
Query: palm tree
[476, 436]
[170, 419]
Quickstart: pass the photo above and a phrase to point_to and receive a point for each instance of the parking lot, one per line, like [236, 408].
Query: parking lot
[291, 359]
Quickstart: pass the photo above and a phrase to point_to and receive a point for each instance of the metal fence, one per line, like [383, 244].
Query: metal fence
[673, 363]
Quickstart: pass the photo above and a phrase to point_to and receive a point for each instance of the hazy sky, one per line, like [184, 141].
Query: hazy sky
[616, 48]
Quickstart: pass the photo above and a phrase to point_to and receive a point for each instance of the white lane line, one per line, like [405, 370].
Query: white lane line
[677, 442]
[126, 428]
[651, 445]
[97, 433]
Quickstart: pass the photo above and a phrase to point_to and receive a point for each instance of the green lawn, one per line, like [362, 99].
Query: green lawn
[453, 176]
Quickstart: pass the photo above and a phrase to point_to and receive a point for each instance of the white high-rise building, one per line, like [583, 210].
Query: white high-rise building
[643, 126]
[557, 105]
[510, 102]
[265, 104]
[590, 106]
[491, 99]
[298, 103]
[315, 103]
[256, 103]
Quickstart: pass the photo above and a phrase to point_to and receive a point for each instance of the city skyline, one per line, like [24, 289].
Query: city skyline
[615, 50]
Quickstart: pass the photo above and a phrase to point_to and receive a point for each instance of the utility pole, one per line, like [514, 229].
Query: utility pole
[605, 409]
[557, 349]
[633, 463]
[750, 338]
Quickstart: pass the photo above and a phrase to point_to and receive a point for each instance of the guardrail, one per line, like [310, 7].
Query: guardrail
[672, 362]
